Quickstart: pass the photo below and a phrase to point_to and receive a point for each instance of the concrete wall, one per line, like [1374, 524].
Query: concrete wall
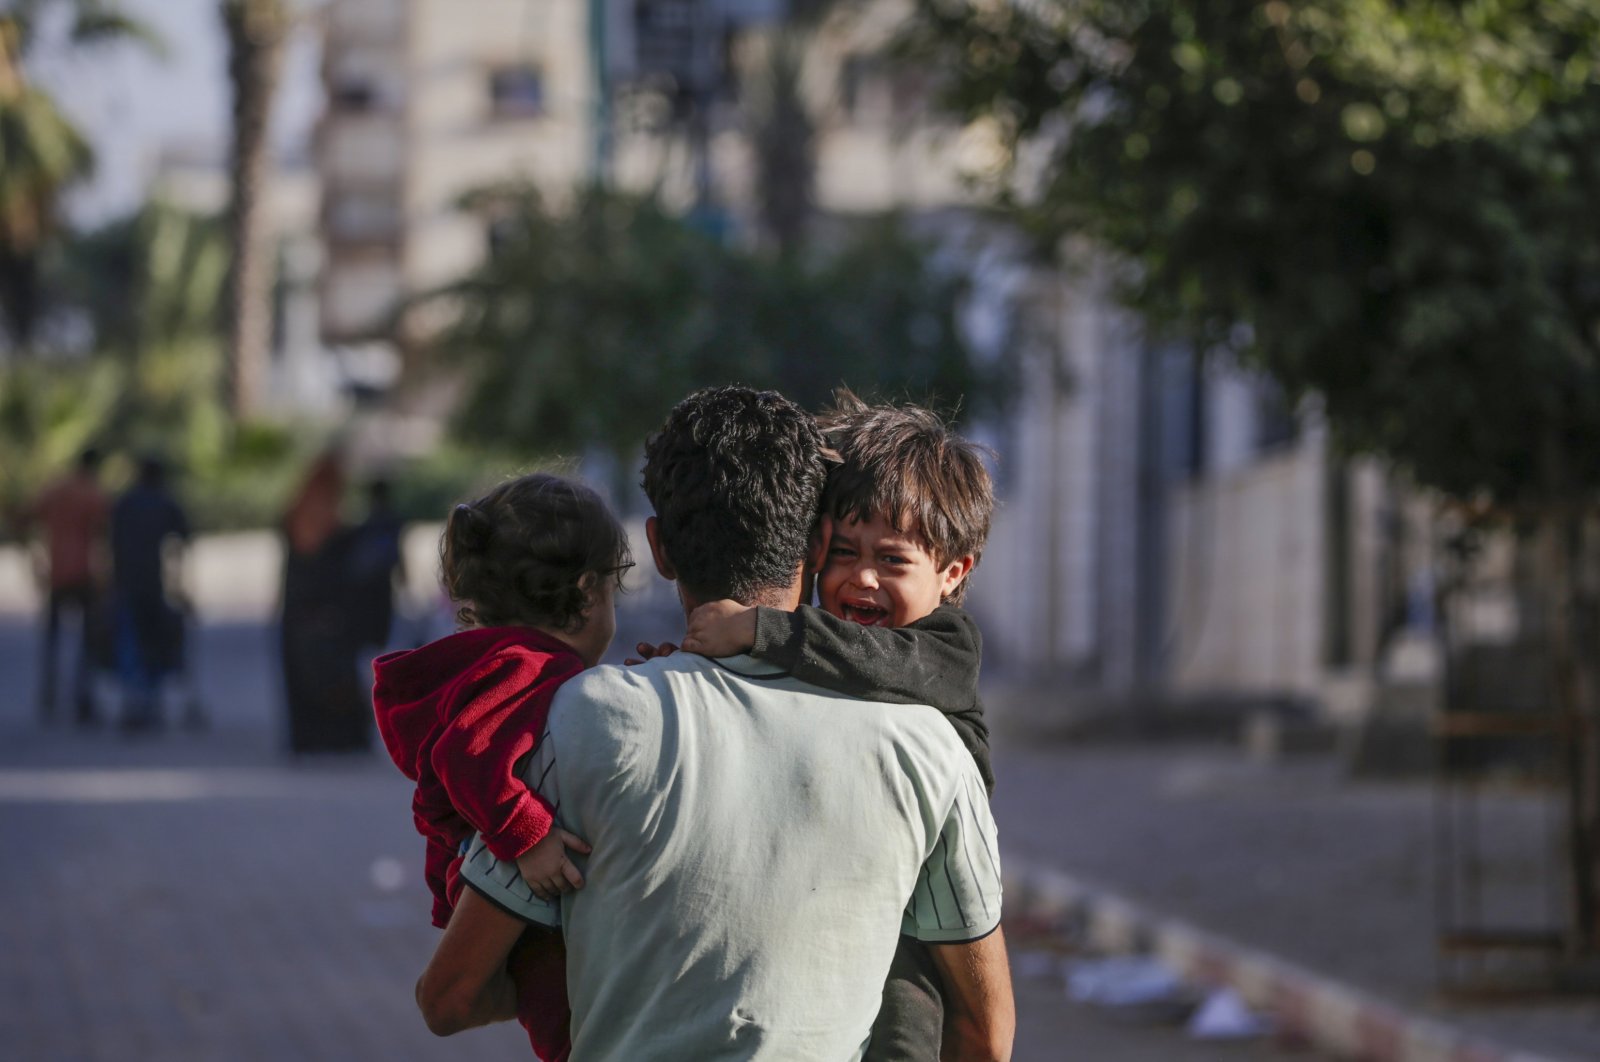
[1057, 590]
[1248, 597]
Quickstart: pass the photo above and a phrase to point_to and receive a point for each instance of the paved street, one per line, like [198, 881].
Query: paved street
[1291, 859]
[195, 896]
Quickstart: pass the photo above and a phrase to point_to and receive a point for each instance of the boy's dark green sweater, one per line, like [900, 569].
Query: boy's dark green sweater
[932, 661]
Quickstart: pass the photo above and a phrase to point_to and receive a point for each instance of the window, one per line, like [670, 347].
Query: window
[353, 94]
[516, 91]
[1277, 427]
[875, 92]
[360, 215]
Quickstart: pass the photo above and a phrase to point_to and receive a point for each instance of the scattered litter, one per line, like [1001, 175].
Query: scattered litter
[1121, 980]
[1035, 965]
[388, 874]
[1225, 1016]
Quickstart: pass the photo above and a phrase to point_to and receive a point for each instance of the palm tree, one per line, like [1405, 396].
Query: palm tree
[148, 285]
[783, 129]
[41, 152]
[784, 139]
[256, 31]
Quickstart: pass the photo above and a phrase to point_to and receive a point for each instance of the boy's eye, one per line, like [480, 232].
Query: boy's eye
[841, 551]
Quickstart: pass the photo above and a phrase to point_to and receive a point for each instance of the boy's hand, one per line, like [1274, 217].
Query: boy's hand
[546, 868]
[720, 628]
[647, 651]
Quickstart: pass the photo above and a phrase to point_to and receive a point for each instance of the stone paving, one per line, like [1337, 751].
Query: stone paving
[1287, 858]
[197, 896]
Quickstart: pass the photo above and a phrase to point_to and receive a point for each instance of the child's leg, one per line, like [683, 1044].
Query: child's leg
[910, 1024]
[538, 967]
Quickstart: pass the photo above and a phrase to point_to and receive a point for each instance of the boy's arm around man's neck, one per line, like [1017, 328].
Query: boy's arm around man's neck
[933, 661]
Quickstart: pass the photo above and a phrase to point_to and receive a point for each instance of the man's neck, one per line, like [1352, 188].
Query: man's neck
[784, 599]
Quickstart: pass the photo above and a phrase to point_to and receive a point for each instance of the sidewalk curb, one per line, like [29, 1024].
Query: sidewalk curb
[1328, 1014]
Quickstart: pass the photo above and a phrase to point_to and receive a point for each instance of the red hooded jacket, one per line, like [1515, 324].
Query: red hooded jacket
[456, 715]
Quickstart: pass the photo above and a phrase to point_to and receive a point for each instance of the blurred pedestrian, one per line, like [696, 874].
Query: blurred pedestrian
[146, 524]
[375, 561]
[71, 514]
[328, 705]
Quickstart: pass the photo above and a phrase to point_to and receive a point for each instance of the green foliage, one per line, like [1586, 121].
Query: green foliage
[248, 481]
[148, 286]
[428, 487]
[90, 22]
[42, 154]
[1390, 204]
[46, 419]
[583, 328]
[152, 278]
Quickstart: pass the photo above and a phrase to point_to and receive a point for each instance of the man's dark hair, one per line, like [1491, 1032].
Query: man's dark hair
[734, 476]
[906, 464]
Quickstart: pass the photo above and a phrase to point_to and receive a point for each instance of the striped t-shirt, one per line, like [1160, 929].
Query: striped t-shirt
[759, 846]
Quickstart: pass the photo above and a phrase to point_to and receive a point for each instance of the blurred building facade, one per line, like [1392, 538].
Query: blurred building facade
[1167, 529]
[1173, 532]
[428, 100]
[431, 100]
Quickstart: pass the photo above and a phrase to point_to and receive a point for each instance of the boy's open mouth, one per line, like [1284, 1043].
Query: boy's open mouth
[866, 615]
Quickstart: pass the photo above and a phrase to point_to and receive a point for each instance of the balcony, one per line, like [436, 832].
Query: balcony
[370, 215]
[362, 149]
[368, 21]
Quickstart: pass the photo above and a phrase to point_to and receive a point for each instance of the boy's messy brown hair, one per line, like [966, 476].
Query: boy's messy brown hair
[906, 463]
[517, 556]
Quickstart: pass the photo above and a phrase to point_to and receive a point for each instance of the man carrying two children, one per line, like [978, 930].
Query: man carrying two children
[759, 844]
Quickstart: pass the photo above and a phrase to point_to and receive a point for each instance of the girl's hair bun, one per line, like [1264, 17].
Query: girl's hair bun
[519, 555]
[471, 529]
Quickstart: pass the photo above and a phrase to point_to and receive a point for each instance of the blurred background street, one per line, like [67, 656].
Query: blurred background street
[192, 896]
[1280, 320]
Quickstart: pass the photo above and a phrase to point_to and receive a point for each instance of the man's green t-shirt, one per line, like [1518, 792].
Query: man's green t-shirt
[759, 846]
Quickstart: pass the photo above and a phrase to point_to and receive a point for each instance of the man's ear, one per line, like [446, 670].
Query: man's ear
[663, 563]
[953, 573]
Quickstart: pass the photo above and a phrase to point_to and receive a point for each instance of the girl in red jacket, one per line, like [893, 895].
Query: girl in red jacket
[533, 567]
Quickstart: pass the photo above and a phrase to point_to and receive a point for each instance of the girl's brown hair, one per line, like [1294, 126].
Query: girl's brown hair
[518, 555]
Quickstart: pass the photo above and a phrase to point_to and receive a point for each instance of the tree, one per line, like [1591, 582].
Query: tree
[257, 31]
[42, 153]
[783, 130]
[1387, 204]
[582, 328]
[148, 286]
[783, 139]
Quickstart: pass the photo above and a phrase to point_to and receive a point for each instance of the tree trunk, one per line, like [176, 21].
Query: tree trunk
[256, 31]
[785, 143]
[21, 227]
[1571, 609]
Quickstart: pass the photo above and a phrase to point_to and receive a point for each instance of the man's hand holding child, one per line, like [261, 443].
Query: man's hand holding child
[720, 628]
[546, 868]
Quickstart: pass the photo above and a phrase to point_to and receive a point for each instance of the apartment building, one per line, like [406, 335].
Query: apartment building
[1164, 529]
[428, 100]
